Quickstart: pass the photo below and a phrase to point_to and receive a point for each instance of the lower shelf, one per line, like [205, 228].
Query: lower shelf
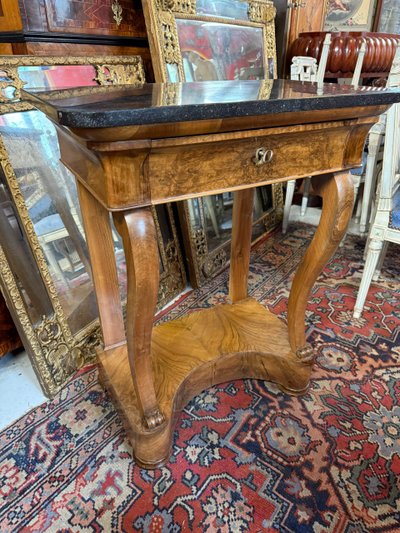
[207, 347]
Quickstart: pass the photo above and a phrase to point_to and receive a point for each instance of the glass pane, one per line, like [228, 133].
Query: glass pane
[389, 21]
[53, 77]
[263, 202]
[213, 215]
[50, 195]
[20, 257]
[173, 73]
[216, 51]
[231, 9]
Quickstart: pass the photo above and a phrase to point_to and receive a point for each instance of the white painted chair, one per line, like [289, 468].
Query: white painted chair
[305, 70]
[385, 226]
[376, 136]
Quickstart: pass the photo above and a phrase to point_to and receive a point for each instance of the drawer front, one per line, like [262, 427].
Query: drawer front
[192, 170]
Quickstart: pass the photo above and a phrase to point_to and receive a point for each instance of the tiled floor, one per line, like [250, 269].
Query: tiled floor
[19, 387]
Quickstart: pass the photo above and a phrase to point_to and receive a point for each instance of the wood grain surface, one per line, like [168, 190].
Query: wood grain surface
[193, 353]
[96, 222]
[175, 168]
[337, 194]
[242, 225]
[139, 237]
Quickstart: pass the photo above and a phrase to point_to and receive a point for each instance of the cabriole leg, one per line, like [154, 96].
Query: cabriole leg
[138, 233]
[337, 192]
[96, 221]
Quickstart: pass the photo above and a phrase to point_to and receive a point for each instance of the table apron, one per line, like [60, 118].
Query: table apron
[151, 174]
[190, 171]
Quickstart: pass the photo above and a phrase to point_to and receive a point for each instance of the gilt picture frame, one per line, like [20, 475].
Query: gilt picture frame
[224, 38]
[44, 263]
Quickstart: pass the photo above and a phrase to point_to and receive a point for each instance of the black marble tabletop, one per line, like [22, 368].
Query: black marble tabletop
[104, 107]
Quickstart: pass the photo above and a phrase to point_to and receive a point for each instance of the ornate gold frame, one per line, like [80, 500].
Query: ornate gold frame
[203, 263]
[54, 350]
[160, 17]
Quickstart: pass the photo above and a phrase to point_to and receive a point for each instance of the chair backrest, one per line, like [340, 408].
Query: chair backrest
[391, 155]
[323, 59]
[390, 176]
[358, 68]
[303, 68]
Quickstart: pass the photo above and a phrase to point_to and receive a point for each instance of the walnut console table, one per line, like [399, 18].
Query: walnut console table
[131, 148]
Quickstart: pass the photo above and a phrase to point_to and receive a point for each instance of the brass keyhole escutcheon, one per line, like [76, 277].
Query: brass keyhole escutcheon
[263, 156]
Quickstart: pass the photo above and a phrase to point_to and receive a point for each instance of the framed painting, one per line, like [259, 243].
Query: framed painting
[387, 18]
[45, 273]
[349, 15]
[203, 40]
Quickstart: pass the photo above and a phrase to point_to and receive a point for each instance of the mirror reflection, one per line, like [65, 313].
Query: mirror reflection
[52, 77]
[216, 51]
[213, 214]
[230, 9]
[50, 196]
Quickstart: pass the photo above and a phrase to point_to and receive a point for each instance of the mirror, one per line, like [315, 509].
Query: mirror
[44, 264]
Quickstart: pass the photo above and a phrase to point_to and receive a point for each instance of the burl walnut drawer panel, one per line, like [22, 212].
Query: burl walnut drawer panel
[214, 167]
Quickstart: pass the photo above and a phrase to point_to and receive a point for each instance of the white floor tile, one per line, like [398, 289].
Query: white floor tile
[19, 388]
[312, 216]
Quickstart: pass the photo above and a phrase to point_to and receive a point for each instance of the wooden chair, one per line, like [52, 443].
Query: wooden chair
[304, 69]
[385, 226]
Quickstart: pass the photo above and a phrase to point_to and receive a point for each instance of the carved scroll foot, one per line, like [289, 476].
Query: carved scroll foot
[154, 420]
[306, 353]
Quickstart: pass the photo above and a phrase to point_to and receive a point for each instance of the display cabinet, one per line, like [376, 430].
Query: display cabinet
[74, 27]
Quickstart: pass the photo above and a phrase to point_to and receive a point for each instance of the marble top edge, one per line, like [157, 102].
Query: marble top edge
[112, 106]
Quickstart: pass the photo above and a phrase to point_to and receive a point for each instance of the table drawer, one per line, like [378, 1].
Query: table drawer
[227, 164]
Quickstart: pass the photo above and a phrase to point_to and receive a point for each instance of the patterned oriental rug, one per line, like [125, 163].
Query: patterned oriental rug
[246, 457]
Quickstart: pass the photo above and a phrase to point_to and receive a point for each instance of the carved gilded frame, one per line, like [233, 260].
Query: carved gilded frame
[161, 17]
[161, 21]
[55, 351]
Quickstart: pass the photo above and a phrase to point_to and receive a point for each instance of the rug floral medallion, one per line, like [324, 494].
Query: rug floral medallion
[246, 457]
